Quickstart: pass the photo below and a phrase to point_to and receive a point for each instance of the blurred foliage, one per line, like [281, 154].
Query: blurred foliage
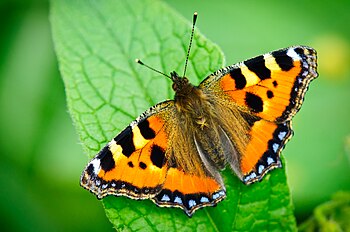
[41, 159]
[332, 216]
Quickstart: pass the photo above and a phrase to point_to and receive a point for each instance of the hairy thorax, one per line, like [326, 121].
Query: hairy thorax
[192, 103]
[198, 119]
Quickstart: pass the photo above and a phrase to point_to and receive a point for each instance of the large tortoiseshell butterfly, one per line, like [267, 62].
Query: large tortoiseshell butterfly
[238, 116]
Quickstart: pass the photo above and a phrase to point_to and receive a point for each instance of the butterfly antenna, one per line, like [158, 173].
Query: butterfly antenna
[155, 70]
[189, 46]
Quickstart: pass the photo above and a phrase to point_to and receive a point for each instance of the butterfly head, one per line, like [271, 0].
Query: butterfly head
[180, 84]
[188, 98]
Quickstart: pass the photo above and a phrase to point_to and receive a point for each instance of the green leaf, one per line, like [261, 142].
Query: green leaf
[96, 44]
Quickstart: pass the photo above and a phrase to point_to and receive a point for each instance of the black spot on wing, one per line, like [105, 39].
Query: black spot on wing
[274, 83]
[124, 139]
[106, 159]
[131, 165]
[269, 94]
[142, 165]
[254, 102]
[145, 130]
[300, 51]
[157, 156]
[240, 81]
[283, 60]
[257, 65]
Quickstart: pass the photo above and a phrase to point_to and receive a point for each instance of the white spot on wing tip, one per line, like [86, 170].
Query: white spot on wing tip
[96, 164]
[291, 52]
[98, 182]
[204, 200]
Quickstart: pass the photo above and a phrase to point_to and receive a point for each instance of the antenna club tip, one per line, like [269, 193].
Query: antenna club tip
[195, 14]
[138, 61]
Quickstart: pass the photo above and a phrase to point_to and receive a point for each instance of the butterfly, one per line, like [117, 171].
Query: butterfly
[239, 116]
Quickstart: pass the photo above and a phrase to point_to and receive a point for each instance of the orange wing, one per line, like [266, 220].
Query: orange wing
[136, 164]
[133, 164]
[270, 86]
[269, 90]
[189, 192]
[267, 139]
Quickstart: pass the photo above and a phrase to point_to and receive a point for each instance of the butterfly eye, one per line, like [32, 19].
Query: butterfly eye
[174, 86]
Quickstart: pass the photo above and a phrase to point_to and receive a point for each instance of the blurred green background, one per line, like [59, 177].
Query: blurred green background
[41, 159]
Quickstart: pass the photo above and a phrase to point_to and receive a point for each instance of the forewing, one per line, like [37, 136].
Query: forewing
[270, 86]
[133, 164]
